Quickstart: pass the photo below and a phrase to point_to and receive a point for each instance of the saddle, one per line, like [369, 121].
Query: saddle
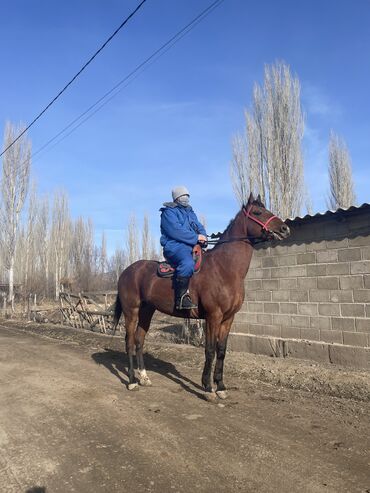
[165, 269]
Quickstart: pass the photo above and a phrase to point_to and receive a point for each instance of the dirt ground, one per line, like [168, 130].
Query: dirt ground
[68, 423]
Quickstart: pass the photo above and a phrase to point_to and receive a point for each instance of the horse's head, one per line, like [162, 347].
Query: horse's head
[262, 223]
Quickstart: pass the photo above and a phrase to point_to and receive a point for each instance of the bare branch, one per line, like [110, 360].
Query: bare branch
[268, 158]
[340, 174]
[14, 187]
[132, 240]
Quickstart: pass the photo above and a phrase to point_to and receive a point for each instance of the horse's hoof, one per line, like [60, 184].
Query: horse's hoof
[210, 396]
[145, 382]
[222, 394]
[133, 386]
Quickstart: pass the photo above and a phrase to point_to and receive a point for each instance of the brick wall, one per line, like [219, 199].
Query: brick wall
[313, 287]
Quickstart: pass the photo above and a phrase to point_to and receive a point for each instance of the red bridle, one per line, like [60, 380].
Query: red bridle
[264, 225]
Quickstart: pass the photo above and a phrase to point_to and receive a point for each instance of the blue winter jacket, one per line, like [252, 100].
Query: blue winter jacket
[179, 225]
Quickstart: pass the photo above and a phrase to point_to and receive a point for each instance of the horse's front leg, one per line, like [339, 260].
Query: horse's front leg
[212, 328]
[221, 353]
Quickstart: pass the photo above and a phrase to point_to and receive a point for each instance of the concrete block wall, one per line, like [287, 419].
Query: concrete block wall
[314, 287]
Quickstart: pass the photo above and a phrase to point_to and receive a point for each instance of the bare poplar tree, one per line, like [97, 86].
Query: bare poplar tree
[88, 254]
[78, 248]
[155, 250]
[42, 238]
[30, 252]
[2, 260]
[240, 170]
[103, 254]
[268, 159]
[14, 187]
[60, 238]
[145, 239]
[117, 263]
[82, 252]
[149, 249]
[132, 240]
[340, 174]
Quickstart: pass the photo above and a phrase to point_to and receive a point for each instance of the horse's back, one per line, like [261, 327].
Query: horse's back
[136, 276]
[137, 271]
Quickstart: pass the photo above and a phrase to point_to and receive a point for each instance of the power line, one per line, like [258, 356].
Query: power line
[117, 88]
[130, 77]
[75, 76]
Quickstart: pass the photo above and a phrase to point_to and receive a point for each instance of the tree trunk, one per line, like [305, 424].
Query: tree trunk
[11, 280]
[46, 278]
[57, 288]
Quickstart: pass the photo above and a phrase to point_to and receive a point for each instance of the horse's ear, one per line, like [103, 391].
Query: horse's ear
[251, 198]
[259, 201]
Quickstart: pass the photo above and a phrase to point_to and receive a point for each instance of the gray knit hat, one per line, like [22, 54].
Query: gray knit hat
[178, 191]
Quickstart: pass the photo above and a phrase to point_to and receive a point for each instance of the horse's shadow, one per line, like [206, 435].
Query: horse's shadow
[117, 362]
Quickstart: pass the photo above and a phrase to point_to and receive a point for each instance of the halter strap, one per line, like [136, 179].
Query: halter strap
[248, 238]
[264, 225]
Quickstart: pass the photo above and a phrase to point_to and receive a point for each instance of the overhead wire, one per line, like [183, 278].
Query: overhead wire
[117, 88]
[123, 23]
[136, 72]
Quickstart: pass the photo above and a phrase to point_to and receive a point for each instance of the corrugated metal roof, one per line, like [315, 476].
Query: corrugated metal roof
[338, 212]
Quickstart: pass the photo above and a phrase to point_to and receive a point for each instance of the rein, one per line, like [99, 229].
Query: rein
[250, 239]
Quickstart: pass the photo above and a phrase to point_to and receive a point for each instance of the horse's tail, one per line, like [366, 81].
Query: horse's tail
[117, 313]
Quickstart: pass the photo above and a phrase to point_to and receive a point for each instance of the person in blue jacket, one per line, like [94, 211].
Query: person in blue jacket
[181, 231]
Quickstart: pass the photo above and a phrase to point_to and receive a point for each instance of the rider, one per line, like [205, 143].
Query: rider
[181, 231]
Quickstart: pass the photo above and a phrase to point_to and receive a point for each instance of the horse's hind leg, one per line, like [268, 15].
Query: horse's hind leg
[145, 317]
[131, 318]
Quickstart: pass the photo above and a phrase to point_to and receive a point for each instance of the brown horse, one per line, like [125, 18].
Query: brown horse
[218, 290]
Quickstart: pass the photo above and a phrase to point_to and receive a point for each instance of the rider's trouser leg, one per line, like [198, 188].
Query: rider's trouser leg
[182, 258]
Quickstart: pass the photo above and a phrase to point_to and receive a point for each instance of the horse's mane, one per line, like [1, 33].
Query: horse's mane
[226, 231]
[257, 202]
[230, 225]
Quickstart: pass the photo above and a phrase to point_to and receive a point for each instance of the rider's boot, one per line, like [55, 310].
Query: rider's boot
[182, 296]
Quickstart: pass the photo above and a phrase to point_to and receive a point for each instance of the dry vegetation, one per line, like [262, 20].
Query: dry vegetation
[43, 249]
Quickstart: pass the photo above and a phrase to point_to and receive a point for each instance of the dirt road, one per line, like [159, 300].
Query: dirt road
[68, 424]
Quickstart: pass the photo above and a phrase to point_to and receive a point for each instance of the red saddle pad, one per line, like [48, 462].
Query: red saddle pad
[165, 269]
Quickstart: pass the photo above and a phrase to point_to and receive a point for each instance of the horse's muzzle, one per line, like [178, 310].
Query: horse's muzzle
[282, 233]
[285, 231]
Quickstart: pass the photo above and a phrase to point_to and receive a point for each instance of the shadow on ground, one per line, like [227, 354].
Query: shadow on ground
[116, 362]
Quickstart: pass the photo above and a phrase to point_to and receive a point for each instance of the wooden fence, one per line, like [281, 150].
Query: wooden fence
[94, 310]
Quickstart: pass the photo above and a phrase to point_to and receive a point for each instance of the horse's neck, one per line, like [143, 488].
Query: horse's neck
[237, 254]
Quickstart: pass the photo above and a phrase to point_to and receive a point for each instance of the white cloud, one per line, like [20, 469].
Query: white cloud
[316, 102]
[316, 159]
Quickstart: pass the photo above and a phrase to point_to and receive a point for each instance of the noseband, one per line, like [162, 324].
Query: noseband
[249, 239]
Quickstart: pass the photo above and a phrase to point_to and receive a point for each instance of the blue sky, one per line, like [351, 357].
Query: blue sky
[174, 124]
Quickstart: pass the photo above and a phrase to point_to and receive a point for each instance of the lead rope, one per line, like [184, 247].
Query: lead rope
[215, 239]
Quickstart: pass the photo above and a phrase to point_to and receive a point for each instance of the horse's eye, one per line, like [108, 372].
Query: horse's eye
[257, 213]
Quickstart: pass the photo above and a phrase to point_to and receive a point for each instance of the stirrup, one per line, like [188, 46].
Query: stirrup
[185, 303]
